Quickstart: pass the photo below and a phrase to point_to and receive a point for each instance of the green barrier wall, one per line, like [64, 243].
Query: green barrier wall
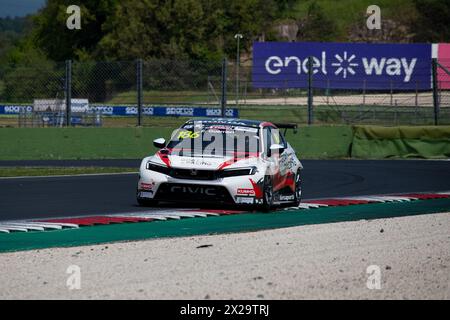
[375, 142]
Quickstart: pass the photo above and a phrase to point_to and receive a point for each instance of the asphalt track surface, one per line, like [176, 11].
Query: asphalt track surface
[26, 198]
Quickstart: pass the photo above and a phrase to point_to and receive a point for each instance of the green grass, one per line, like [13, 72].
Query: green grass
[311, 142]
[346, 13]
[57, 171]
[136, 143]
[78, 143]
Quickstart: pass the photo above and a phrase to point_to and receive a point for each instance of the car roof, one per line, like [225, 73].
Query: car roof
[230, 121]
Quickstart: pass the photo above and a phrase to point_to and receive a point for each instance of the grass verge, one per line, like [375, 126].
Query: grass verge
[136, 143]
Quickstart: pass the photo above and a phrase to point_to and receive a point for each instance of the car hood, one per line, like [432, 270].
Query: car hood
[205, 162]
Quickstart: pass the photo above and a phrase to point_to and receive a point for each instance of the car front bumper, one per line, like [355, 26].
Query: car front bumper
[246, 190]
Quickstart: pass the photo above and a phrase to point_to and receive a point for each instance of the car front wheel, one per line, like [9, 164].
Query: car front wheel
[143, 202]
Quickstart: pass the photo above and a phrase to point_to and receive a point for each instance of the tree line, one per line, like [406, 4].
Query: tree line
[181, 29]
[32, 48]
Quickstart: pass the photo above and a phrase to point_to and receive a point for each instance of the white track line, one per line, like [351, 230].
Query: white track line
[71, 175]
[396, 198]
[62, 224]
[183, 215]
[138, 215]
[29, 225]
[201, 213]
[3, 227]
[374, 199]
[315, 205]
[198, 214]
[157, 216]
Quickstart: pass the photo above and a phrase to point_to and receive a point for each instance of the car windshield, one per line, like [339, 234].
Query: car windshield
[215, 140]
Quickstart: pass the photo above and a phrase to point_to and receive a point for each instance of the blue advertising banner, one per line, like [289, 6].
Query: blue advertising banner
[342, 65]
[160, 111]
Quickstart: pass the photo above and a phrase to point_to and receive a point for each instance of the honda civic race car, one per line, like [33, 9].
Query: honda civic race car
[223, 161]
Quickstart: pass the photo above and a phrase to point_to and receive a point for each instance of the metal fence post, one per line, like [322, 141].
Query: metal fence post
[391, 93]
[310, 92]
[416, 98]
[68, 91]
[139, 89]
[224, 87]
[238, 59]
[328, 91]
[435, 92]
[364, 92]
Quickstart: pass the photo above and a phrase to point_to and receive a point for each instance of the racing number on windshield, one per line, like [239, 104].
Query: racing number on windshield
[188, 135]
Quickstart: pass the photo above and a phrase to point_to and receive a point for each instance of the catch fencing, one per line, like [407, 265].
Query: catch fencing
[158, 92]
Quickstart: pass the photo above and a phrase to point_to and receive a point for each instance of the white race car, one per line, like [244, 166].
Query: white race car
[222, 161]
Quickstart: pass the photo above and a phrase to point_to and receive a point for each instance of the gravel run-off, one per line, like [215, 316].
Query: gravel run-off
[308, 262]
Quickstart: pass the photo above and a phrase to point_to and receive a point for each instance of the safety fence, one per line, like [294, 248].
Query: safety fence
[163, 92]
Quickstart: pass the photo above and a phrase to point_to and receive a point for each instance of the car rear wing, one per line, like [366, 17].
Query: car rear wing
[287, 126]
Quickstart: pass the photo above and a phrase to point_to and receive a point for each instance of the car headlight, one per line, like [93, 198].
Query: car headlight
[237, 172]
[157, 167]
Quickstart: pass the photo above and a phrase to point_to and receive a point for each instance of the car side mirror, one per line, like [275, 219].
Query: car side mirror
[276, 148]
[159, 143]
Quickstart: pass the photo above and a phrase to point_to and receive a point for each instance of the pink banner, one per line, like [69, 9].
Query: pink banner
[444, 60]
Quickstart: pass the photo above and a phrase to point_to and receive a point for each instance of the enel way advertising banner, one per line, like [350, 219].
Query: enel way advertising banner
[342, 65]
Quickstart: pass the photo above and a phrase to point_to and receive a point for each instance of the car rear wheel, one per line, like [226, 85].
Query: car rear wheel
[298, 188]
[267, 194]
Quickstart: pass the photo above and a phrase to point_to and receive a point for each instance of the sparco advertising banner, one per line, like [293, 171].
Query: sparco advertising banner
[160, 111]
[342, 65]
